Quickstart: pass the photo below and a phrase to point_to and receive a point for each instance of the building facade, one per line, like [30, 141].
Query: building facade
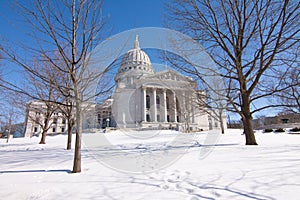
[166, 99]
[142, 99]
[38, 111]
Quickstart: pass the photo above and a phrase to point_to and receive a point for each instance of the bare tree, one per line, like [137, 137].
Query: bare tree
[70, 29]
[9, 126]
[11, 114]
[47, 94]
[68, 113]
[290, 97]
[245, 39]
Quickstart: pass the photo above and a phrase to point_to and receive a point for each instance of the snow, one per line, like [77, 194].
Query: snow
[153, 165]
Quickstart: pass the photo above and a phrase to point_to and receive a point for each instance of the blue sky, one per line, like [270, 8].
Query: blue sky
[121, 14]
[128, 14]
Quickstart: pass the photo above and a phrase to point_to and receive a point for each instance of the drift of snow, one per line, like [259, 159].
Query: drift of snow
[134, 166]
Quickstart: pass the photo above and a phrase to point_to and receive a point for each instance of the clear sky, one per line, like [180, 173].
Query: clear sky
[121, 14]
[128, 14]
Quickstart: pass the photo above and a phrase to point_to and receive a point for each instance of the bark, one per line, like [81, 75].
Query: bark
[45, 128]
[248, 130]
[43, 139]
[8, 134]
[77, 155]
[221, 123]
[69, 141]
[247, 122]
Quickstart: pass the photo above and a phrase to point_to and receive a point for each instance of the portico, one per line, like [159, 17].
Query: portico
[158, 106]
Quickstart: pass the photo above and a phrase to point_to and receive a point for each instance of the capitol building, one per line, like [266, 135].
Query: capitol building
[143, 100]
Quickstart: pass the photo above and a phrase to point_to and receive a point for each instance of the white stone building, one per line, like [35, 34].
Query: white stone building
[36, 114]
[166, 99]
[35, 117]
[142, 99]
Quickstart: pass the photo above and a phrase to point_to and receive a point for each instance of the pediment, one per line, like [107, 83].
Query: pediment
[168, 75]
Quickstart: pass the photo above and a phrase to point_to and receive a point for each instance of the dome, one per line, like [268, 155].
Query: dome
[136, 59]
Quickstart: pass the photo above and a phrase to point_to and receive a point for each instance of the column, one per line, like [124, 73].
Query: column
[154, 105]
[101, 119]
[185, 110]
[175, 109]
[165, 105]
[144, 110]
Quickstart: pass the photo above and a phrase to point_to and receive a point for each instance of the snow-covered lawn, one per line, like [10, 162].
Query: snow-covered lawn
[163, 165]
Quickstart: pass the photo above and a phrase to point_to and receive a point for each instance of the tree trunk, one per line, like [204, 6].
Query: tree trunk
[77, 156]
[249, 133]
[8, 136]
[248, 128]
[43, 139]
[9, 128]
[69, 142]
[221, 121]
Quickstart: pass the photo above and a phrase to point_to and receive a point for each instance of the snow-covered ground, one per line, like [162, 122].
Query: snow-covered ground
[154, 165]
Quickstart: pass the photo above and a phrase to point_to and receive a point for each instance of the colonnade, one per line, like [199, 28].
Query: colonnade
[159, 106]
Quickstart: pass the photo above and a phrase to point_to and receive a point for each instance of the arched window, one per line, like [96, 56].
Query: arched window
[147, 101]
[157, 100]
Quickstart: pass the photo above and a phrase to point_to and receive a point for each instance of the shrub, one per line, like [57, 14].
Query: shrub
[296, 129]
[279, 130]
[268, 130]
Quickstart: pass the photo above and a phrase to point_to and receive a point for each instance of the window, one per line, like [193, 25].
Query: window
[158, 118]
[55, 121]
[35, 129]
[53, 129]
[157, 100]
[62, 129]
[63, 121]
[168, 118]
[216, 124]
[147, 101]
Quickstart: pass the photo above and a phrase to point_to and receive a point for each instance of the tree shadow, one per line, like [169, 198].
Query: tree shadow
[198, 189]
[36, 171]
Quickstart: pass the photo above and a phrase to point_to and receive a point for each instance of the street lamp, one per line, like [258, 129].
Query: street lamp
[107, 122]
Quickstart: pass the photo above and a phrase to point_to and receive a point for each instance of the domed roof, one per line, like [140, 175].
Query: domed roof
[136, 59]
